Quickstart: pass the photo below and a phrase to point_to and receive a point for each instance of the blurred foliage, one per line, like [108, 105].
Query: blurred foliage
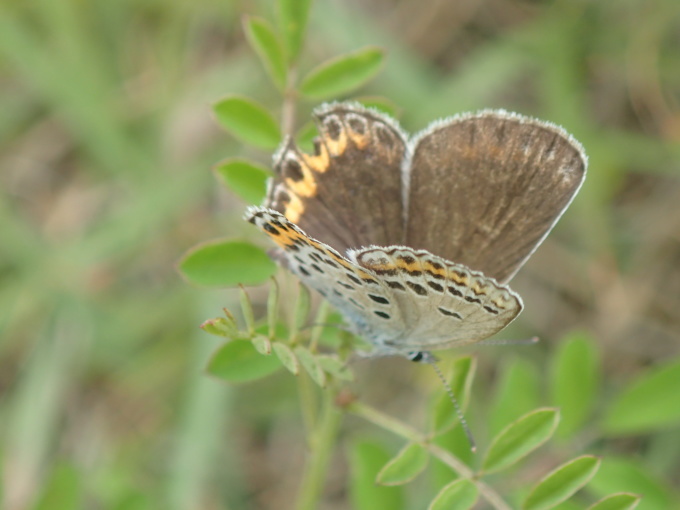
[106, 145]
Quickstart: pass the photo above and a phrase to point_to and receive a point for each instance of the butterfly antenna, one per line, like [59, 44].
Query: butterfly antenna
[454, 401]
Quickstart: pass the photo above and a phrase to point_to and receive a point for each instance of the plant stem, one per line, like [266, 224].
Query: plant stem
[308, 404]
[401, 429]
[321, 447]
[288, 106]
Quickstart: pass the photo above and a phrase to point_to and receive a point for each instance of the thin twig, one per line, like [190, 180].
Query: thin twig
[321, 446]
[401, 429]
[289, 104]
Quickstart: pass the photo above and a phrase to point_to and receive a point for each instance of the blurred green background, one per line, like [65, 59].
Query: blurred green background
[106, 144]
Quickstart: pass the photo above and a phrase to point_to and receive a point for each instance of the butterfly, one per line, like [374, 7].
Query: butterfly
[413, 239]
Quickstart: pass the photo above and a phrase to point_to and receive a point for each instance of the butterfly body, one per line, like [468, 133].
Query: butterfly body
[414, 240]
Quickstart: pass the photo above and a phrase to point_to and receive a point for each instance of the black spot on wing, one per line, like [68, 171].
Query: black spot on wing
[449, 313]
[354, 278]
[437, 276]
[417, 288]
[271, 229]
[454, 291]
[329, 262]
[435, 286]
[280, 225]
[407, 259]
[395, 285]
[386, 272]
[379, 299]
[293, 170]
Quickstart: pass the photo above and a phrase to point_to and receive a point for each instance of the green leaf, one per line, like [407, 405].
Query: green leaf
[286, 357]
[408, 463]
[626, 475]
[222, 263]
[650, 403]
[248, 121]
[520, 438]
[262, 345]
[562, 482]
[220, 327]
[238, 361]
[342, 74]
[311, 365]
[265, 41]
[300, 310]
[293, 16]
[365, 460]
[245, 178]
[575, 379]
[621, 501]
[517, 393]
[336, 367]
[64, 489]
[463, 373]
[460, 494]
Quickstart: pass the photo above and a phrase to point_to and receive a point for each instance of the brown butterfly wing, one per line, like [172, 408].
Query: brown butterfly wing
[349, 193]
[486, 189]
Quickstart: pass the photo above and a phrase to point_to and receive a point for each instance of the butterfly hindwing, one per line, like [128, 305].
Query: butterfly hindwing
[442, 304]
[349, 193]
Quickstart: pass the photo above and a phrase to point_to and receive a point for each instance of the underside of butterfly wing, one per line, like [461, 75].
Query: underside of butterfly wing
[355, 292]
[444, 304]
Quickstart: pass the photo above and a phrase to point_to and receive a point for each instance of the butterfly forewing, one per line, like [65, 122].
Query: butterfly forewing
[359, 294]
[484, 190]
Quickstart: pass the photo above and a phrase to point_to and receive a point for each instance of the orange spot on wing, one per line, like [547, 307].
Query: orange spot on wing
[336, 147]
[441, 271]
[413, 266]
[458, 278]
[361, 140]
[305, 187]
[294, 208]
[318, 163]
[284, 239]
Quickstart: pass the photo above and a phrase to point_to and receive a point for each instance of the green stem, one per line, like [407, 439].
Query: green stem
[289, 103]
[321, 447]
[401, 429]
[308, 403]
